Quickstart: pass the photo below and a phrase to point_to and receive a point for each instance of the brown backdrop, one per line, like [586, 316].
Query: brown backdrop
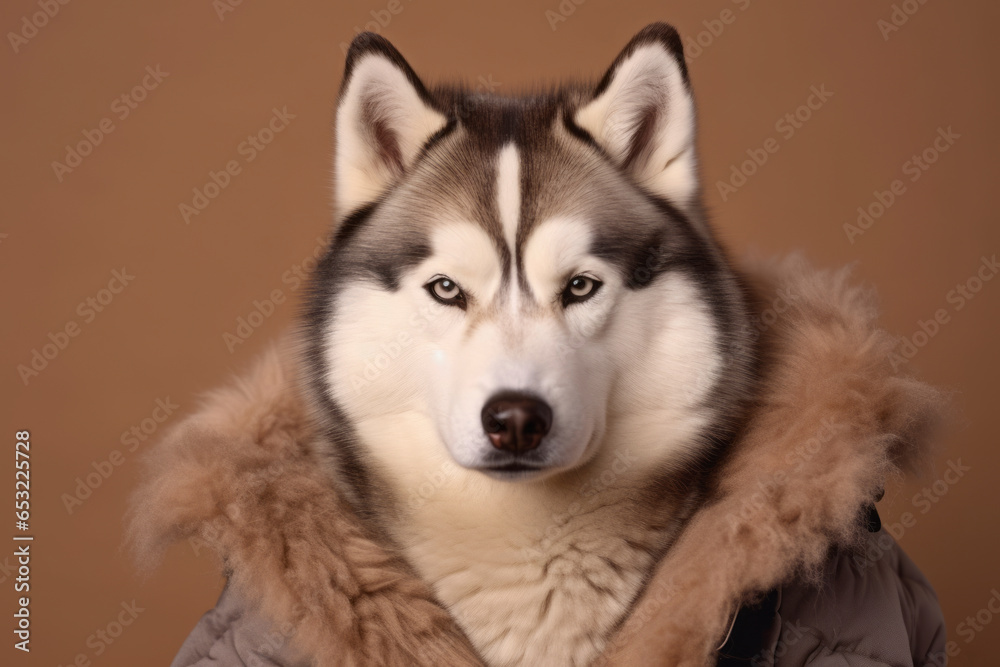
[892, 86]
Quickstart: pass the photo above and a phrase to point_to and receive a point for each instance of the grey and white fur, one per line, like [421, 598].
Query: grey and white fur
[524, 342]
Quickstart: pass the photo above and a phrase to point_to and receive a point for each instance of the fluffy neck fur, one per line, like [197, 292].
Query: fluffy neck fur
[247, 477]
[540, 573]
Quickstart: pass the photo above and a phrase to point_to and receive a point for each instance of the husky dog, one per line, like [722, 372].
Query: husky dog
[526, 348]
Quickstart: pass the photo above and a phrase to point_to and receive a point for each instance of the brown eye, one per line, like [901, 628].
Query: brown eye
[580, 288]
[447, 291]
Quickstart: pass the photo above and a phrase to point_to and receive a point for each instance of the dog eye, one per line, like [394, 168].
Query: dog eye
[580, 288]
[447, 291]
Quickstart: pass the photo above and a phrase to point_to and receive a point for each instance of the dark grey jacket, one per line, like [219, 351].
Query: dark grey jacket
[872, 608]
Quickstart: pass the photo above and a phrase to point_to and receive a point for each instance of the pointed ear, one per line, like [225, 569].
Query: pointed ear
[384, 118]
[642, 114]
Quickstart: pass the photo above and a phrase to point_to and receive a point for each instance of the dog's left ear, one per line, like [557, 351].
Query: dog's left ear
[384, 117]
[642, 114]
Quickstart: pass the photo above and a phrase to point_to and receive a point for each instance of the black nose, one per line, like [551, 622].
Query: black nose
[516, 422]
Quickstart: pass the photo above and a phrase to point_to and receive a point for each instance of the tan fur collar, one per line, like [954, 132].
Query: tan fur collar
[246, 476]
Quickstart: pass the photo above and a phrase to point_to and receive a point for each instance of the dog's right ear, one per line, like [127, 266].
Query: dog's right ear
[384, 118]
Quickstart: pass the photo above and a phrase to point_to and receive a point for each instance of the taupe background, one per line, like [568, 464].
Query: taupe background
[162, 337]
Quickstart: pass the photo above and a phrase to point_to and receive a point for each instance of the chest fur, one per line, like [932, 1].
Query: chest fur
[530, 593]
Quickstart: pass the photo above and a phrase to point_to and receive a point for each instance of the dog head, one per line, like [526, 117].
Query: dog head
[517, 281]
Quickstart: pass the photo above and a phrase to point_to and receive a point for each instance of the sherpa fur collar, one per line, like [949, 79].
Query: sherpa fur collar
[833, 421]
